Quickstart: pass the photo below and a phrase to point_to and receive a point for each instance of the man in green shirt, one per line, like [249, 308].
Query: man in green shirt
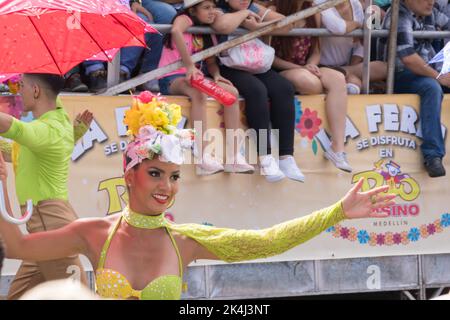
[41, 154]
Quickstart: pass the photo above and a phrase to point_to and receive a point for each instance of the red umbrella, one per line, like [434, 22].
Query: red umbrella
[53, 36]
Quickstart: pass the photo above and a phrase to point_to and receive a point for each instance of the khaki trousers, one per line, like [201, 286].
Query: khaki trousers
[47, 215]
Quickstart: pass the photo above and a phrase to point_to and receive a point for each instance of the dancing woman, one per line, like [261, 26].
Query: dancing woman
[138, 253]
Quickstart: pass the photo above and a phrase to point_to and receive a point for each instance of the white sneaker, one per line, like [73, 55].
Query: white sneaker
[240, 165]
[270, 169]
[339, 160]
[353, 89]
[291, 170]
[208, 166]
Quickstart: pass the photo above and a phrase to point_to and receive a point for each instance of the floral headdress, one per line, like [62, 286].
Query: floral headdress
[152, 125]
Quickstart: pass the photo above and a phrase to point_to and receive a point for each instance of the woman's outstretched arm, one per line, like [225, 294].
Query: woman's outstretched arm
[239, 245]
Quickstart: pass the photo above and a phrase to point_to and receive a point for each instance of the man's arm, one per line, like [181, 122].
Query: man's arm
[418, 66]
[35, 135]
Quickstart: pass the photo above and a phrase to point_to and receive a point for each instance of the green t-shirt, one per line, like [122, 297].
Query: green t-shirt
[46, 145]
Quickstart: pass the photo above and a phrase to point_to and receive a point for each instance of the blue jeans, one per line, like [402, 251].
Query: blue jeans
[431, 94]
[163, 13]
[92, 66]
[129, 56]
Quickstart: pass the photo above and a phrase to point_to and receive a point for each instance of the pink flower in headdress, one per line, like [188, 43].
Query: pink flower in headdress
[146, 133]
[146, 97]
[141, 151]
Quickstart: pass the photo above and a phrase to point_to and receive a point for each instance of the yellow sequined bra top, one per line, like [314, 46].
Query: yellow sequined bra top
[226, 244]
[112, 284]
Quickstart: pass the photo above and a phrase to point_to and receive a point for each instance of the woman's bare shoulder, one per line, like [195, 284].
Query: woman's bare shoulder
[97, 223]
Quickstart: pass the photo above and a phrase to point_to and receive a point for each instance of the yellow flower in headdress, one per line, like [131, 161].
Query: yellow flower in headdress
[148, 109]
[175, 113]
[132, 119]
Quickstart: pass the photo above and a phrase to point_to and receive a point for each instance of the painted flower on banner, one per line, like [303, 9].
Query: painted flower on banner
[363, 236]
[424, 231]
[389, 238]
[380, 239]
[345, 233]
[373, 239]
[431, 228]
[352, 234]
[414, 234]
[309, 124]
[445, 221]
[405, 238]
[397, 238]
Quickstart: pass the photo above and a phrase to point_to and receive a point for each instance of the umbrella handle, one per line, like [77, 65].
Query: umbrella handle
[7, 217]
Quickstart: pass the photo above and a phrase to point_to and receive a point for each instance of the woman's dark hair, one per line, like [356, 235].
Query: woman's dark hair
[223, 4]
[287, 8]
[207, 40]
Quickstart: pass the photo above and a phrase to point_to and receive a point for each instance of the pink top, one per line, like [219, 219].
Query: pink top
[194, 44]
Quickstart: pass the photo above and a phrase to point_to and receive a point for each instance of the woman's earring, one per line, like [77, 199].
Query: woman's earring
[172, 202]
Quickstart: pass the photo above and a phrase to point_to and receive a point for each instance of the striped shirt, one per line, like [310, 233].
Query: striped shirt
[406, 43]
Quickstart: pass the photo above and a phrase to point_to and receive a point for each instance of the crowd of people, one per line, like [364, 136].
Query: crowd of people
[304, 65]
[284, 66]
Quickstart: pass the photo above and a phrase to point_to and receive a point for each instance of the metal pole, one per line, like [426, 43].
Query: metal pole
[392, 49]
[367, 26]
[114, 71]
[422, 290]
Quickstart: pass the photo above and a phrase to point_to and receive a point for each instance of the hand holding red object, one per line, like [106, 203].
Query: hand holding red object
[212, 89]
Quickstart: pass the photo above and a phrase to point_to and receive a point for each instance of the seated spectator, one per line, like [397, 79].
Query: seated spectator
[442, 21]
[181, 45]
[297, 58]
[95, 71]
[269, 98]
[163, 11]
[413, 74]
[346, 52]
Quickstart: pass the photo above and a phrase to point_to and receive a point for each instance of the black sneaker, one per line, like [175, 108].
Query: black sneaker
[97, 80]
[74, 84]
[434, 167]
[123, 76]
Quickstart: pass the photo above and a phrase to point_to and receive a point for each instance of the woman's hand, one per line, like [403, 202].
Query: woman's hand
[218, 78]
[367, 204]
[193, 73]
[252, 23]
[313, 69]
[136, 7]
[251, 15]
